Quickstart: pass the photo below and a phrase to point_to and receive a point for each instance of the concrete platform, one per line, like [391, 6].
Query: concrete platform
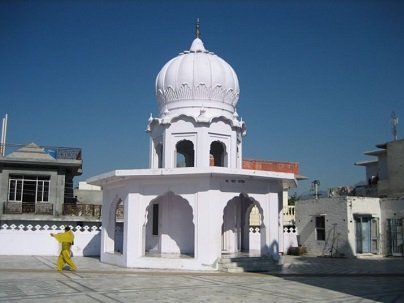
[298, 279]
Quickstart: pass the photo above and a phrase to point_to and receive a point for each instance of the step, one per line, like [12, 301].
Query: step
[246, 264]
[232, 270]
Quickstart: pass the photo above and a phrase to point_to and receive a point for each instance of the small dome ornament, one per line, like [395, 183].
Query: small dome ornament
[203, 118]
[202, 111]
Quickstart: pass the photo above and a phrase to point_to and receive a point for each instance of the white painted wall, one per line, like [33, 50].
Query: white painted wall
[38, 242]
[23, 240]
[289, 239]
[192, 211]
[335, 211]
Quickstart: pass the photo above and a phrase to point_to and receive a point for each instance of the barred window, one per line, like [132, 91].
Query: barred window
[320, 228]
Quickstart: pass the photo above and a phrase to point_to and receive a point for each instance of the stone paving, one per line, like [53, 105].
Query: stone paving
[298, 279]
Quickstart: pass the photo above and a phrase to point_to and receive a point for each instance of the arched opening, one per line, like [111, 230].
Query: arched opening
[119, 228]
[185, 156]
[113, 229]
[218, 154]
[242, 225]
[159, 153]
[253, 229]
[255, 217]
[169, 228]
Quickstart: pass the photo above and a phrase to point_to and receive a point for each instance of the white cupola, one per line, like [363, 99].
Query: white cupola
[197, 93]
[197, 79]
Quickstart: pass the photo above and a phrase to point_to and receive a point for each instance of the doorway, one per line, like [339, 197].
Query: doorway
[367, 234]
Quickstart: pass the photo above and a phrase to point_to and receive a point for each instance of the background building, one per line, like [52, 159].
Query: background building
[367, 220]
[385, 173]
[36, 185]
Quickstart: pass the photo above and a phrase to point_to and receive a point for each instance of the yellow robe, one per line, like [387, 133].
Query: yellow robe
[66, 239]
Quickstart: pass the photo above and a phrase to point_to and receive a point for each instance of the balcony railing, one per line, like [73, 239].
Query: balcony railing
[289, 215]
[82, 210]
[289, 210]
[366, 191]
[28, 208]
[57, 152]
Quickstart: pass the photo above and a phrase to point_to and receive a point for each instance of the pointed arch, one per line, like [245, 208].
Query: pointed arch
[185, 153]
[159, 154]
[114, 229]
[242, 217]
[169, 226]
[119, 227]
[218, 154]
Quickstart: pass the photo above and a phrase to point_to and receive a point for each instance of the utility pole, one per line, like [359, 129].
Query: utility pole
[3, 136]
[394, 125]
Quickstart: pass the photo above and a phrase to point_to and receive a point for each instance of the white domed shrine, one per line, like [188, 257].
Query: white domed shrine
[195, 203]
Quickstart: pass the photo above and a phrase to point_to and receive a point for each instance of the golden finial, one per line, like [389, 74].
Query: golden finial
[198, 31]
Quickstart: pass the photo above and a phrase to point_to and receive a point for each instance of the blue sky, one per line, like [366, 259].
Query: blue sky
[318, 79]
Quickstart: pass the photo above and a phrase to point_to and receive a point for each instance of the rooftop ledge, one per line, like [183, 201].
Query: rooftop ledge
[189, 172]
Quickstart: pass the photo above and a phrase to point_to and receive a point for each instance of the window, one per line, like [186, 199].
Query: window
[218, 154]
[185, 154]
[320, 228]
[159, 151]
[28, 188]
[155, 220]
[15, 190]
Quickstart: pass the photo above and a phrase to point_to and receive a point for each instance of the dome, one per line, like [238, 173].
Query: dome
[197, 79]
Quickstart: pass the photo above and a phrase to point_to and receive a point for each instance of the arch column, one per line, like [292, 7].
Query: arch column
[207, 229]
[270, 240]
[133, 244]
[108, 228]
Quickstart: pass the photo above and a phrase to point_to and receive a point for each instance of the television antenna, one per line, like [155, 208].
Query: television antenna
[394, 125]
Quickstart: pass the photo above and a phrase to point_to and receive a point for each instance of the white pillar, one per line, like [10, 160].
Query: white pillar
[133, 235]
[282, 202]
[207, 229]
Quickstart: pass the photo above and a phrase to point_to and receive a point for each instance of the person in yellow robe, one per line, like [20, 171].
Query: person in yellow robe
[66, 239]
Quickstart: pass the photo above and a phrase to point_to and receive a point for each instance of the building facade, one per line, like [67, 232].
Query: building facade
[195, 203]
[368, 220]
[36, 184]
[351, 226]
[385, 173]
[340, 226]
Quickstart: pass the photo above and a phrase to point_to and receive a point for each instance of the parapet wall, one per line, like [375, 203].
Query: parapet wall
[29, 240]
[36, 240]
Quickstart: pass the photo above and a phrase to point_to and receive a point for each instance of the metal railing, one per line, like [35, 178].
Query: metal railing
[82, 210]
[57, 152]
[19, 208]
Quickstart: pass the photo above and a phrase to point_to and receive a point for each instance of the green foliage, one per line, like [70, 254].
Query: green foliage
[292, 200]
